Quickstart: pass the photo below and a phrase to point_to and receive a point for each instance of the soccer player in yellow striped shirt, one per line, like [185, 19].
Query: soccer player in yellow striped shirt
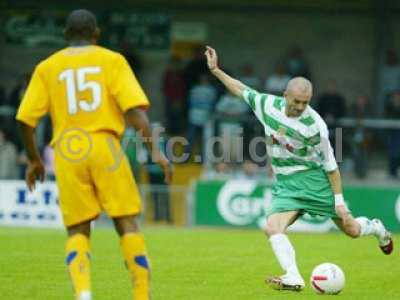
[89, 92]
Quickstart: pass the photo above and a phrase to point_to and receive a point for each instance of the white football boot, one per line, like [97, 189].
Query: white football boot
[286, 282]
[384, 237]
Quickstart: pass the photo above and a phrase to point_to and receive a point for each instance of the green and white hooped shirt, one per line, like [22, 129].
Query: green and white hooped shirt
[293, 144]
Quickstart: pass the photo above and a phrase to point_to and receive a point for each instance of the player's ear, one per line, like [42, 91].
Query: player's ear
[97, 33]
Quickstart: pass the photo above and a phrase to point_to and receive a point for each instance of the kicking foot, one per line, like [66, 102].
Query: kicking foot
[286, 282]
[384, 237]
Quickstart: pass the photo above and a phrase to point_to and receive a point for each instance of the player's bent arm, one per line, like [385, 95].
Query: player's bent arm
[137, 118]
[336, 185]
[28, 138]
[35, 169]
[235, 86]
[329, 164]
[335, 181]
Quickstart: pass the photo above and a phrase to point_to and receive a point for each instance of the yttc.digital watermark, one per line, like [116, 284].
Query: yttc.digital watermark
[74, 144]
[77, 145]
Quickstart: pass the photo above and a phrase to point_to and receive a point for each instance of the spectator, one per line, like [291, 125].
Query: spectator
[202, 98]
[249, 170]
[173, 88]
[296, 64]
[276, 83]
[195, 68]
[19, 90]
[392, 111]
[390, 77]
[220, 171]
[133, 59]
[331, 105]
[159, 189]
[11, 105]
[231, 109]
[361, 108]
[360, 137]
[8, 158]
[232, 106]
[249, 78]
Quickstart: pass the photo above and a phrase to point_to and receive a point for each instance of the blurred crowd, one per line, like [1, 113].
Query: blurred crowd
[192, 98]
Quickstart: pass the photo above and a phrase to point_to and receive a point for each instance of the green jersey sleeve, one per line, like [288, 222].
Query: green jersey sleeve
[256, 101]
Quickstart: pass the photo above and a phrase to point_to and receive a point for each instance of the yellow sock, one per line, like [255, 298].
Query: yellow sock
[78, 262]
[134, 250]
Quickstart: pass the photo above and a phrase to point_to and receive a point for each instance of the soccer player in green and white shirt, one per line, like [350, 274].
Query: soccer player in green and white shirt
[308, 178]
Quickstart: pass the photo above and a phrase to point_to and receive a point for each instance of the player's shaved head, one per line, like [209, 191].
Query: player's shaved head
[299, 85]
[81, 25]
[298, 95]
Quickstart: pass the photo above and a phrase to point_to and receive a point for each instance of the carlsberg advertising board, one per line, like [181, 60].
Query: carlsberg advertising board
[243, 203]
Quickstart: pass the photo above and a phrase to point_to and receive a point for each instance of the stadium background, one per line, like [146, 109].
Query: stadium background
[348, 38]
[342, 40]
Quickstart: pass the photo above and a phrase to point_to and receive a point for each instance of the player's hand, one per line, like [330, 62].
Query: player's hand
[166, 166]
[35, 170]
[212, 58]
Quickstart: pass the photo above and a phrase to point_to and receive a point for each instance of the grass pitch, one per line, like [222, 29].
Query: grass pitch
[193, 264]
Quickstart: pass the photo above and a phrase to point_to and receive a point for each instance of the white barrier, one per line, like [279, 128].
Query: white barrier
[19, 207]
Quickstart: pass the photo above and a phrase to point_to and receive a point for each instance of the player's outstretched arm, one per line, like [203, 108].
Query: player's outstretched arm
[137, 118]
[35, 169]
[233, 85]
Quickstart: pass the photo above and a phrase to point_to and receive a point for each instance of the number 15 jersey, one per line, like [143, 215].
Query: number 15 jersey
[86, 87]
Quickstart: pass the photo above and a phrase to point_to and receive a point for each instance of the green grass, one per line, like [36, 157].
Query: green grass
[192, 264]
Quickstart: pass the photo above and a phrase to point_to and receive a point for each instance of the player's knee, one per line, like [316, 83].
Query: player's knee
[83, 228]
[272, 228]
[125, 224]
[352, 231]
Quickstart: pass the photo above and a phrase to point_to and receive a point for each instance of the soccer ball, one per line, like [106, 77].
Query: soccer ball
[327, 278]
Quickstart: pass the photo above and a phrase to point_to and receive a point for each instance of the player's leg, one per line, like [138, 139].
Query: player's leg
[276, 226]
[361, 226]
[120, 198]
[134, 251]
[78, 205]
[78, 259]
